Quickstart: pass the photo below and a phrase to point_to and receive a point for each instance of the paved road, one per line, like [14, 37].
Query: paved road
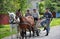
[54, 34]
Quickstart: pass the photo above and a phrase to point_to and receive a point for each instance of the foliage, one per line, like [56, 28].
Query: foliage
[12, 5]
[50, 5]
[53, 7]
[47, 4]
[7, 5]
[41, 7]
[23, 5]
[58, 9]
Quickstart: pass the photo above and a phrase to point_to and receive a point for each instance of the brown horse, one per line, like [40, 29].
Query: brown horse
[26, 23]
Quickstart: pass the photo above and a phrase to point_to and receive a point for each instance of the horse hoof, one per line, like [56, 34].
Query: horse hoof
[33, 35]
[37, 35]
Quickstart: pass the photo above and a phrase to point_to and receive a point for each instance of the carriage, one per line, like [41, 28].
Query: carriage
[24, 24]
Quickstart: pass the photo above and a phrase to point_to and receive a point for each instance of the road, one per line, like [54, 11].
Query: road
[54, 34]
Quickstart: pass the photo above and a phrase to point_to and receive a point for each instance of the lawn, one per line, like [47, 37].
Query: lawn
[5, 31]
[55, 22]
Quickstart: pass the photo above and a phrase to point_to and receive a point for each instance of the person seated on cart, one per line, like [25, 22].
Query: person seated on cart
[48, 18]
[28, 13]
[29, 18]
[35, 15]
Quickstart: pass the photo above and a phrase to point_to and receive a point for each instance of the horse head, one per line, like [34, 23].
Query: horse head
[13, 17]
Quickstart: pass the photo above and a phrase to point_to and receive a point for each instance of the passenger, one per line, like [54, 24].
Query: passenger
[28, 13]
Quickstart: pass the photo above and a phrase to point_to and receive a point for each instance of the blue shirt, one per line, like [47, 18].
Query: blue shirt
[48, 15]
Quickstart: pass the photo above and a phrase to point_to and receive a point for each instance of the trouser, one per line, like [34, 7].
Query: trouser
[13, 28]
[47, 23]
[35, 19]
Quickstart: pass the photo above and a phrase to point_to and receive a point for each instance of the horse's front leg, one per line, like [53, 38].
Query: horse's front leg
[25, 34]
[22, 33]
[29, 31]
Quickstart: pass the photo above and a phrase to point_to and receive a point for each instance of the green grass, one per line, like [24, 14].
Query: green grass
[55, 22]
[5, 31]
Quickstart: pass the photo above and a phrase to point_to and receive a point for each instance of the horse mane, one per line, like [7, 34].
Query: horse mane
[22, 19]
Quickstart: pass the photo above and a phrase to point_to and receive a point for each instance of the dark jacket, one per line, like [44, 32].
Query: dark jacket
[28, 14]
[48, 15]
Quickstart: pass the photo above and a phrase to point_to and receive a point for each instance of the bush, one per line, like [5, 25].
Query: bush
[58, 9]
[47, 4]
[41, 7]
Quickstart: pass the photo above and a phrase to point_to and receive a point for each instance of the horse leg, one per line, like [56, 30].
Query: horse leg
[30, 28]
[30, 32]
[33, 31]
[22, 34]
[25, 34]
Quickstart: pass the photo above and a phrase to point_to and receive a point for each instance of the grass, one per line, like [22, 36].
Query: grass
[55, 22]
[5, 31]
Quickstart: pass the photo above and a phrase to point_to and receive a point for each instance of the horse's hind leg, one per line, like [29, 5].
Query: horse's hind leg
[30, 28]
[30, 32]
[33, 31]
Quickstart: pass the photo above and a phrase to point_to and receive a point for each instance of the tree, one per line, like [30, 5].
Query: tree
[41, 7]
[48, 4]
[12, 5]
[23, 5]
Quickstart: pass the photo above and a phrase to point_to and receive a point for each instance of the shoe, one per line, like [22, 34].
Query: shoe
[46, 34]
